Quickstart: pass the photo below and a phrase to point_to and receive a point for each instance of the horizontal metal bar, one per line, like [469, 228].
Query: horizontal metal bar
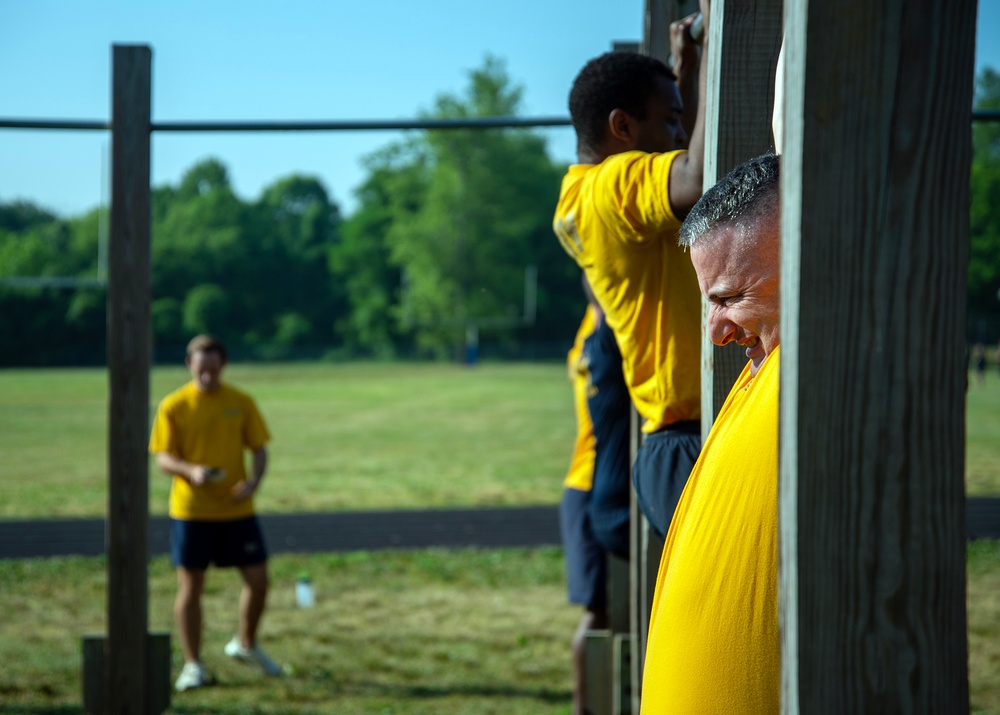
[362, 124]
[979, 115]
[77, 124]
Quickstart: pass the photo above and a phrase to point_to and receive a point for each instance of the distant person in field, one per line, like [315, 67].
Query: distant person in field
[979, 363]
[591, 516]
[619, 211]
[199, 436]
[713, 643]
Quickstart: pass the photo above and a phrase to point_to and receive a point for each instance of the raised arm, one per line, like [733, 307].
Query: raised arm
[687, 171]
[685, 60]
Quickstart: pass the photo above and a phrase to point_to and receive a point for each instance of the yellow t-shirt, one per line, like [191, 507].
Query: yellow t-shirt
[211, 429]
[614, 219]
[581, 467]
[713, 634]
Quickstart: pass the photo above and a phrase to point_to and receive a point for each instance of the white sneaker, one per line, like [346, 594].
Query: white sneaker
[193, 675]
[253, 656]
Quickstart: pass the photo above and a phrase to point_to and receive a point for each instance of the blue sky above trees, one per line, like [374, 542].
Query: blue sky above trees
[311, 60]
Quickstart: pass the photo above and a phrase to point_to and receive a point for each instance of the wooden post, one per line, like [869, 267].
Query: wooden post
[95, 673]
[743, 51]
[875, 197]
[129, 348]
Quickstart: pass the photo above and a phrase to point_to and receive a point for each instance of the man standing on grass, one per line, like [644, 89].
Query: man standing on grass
[199, 434]
[713, 633]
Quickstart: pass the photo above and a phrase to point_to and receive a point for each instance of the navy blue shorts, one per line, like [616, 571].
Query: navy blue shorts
[196, 544]
[586, 559]
[661, 469]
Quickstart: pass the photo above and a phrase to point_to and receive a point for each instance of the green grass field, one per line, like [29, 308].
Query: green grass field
[444, 632]
[351, 437]
[344, 437]
[434, 631]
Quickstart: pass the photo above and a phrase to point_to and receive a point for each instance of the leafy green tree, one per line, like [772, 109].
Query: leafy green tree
[362, 263]
[477, 217]
[268, 258]
[206, 309]
[984, 216]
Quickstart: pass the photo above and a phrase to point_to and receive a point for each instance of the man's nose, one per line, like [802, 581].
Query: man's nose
[720, 330]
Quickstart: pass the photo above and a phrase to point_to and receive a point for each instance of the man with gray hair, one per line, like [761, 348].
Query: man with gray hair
[713, 635]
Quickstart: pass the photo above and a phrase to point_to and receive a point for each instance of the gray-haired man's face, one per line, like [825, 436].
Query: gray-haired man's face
[739, 275]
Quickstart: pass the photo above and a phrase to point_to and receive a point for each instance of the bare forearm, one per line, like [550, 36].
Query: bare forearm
[259, 464]
[195, 474]
[172, 465]
[687, 171]
[686, 64]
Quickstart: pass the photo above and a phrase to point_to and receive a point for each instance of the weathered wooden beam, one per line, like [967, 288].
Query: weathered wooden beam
[875, 192]
[742, 54]
[129, 350]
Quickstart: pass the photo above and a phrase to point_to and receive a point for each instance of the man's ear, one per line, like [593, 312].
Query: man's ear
[620, 126]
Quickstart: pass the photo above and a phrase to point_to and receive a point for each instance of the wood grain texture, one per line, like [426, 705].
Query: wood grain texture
[742, 55]
[875, 233]
[129, 349]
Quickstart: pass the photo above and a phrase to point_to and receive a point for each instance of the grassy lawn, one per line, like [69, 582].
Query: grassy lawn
[419, 632]
[392, 632]
[435, 631]
[354, 436]
[982, 436]
[344, 437]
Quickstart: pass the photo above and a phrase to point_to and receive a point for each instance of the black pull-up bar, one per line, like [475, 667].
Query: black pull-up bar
[979, 115]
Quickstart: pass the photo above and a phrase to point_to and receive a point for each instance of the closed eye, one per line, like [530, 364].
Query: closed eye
[723, 300]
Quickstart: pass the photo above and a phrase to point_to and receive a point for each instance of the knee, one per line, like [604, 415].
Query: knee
[256, 579]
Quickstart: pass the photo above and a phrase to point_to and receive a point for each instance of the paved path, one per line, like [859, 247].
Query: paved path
[316, 532]
[366, 530]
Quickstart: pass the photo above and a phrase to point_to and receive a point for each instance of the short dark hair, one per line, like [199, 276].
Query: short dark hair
[614, 80]
[747, 193]
[206, 344]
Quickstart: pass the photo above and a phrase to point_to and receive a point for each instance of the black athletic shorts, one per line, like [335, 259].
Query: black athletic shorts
[661, 469]
[586, 560]
[196, 544]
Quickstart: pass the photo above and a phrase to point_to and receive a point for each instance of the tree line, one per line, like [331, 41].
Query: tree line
[446, 224]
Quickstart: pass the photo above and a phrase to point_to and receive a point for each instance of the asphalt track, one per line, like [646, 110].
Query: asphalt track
[365, 530]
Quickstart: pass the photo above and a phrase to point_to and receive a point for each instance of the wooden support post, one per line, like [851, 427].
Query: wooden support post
[742, 54]
[875, 201]
[95, 673]
[621, 674]
[129, 348]
[619, 594]
[597, 694]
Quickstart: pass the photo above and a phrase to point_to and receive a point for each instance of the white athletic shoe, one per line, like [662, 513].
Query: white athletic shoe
[253, 656]
[193, 675]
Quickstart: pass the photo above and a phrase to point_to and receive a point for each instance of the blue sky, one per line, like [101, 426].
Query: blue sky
[309, 59]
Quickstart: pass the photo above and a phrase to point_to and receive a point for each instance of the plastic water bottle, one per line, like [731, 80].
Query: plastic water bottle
[304, 596]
